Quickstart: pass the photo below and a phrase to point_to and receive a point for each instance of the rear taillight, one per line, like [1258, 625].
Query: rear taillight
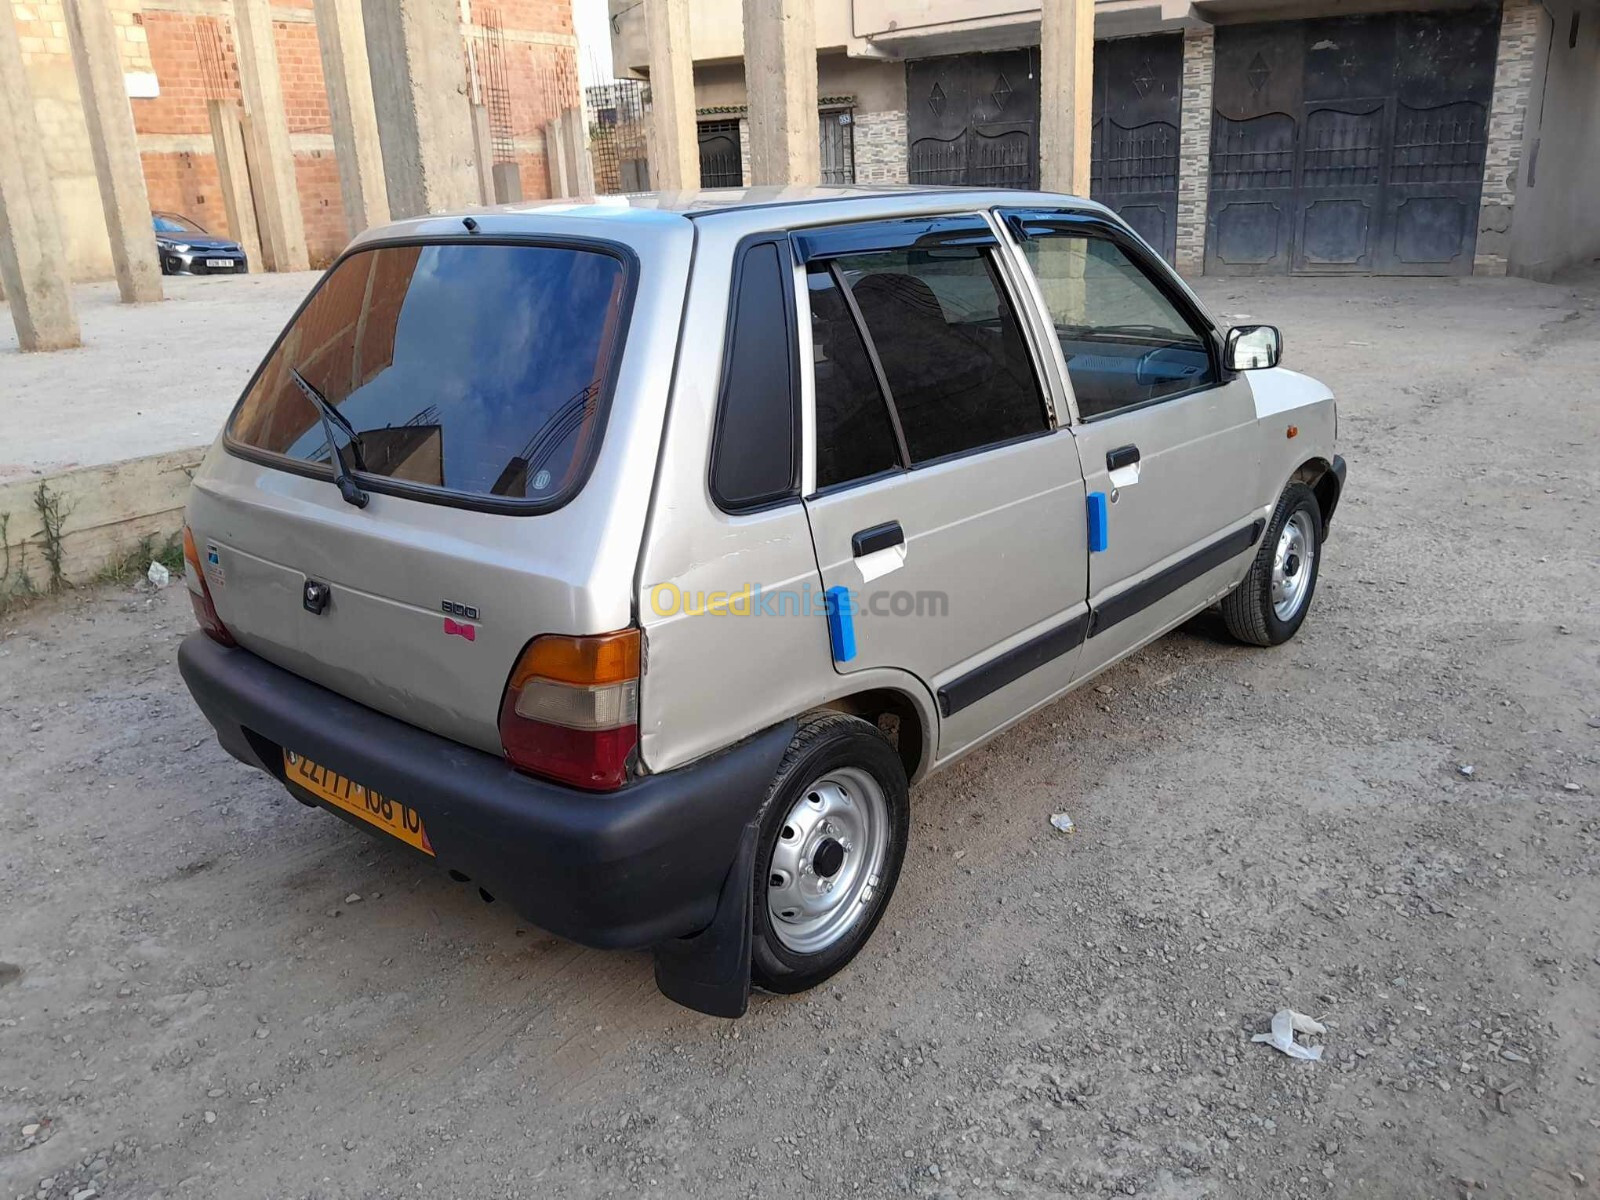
[571, 709]
[205, 612]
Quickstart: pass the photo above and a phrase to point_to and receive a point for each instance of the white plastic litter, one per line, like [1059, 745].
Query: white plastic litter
[1285, 1024]
[158, 575]
[1063, 822]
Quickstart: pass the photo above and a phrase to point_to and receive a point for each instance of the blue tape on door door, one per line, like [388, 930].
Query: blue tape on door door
[841, 625]
[1099, 522]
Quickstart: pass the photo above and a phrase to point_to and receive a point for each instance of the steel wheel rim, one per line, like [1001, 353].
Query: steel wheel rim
[1293, 564]
[827, 865]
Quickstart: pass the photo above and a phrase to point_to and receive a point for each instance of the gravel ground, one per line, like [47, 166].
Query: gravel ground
[209, 990]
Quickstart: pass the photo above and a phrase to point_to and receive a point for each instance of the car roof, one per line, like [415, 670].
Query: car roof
[652, 214]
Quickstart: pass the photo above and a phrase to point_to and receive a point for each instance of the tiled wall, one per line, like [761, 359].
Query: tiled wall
[1194, 149]
[1513, 76]
[880, 140]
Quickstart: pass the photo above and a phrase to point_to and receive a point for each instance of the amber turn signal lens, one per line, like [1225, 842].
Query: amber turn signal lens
[205, 610]
[190, 554]
[1293, 431]
[609, 658]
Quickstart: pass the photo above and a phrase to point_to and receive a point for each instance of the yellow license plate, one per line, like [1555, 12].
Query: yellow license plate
[387, 813]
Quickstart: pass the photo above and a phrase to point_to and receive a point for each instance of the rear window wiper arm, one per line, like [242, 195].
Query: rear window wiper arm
[330, 415]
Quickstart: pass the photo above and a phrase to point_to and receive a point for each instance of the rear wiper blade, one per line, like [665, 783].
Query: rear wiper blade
[329, 416]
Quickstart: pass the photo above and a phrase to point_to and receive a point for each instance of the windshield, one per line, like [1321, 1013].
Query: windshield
[166, 223]
[477, 368]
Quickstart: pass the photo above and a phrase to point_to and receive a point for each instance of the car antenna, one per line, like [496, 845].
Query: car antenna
[471, 224]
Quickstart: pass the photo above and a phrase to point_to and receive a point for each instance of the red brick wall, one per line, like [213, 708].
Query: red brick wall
[175, 40]
[305, 97]
[187, 184]
[321, 206]
[182, 176]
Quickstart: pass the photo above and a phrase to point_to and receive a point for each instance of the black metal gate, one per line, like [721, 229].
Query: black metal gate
[1138, 93]
[973, 119]
[721, 163]
[1350, 145]
[836, 133]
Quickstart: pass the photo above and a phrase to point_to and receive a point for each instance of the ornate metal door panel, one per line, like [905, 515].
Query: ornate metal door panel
[1444, 83]
[1350, 145]
[1254, 134]
[1344, 140]
[1138, 91]
[974, 119]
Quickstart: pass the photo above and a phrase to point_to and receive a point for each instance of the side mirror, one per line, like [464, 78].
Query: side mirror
[1251, 347]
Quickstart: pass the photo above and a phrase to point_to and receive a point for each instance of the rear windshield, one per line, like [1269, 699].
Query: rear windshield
[478, 368]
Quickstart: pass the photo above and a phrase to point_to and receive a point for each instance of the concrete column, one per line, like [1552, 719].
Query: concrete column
[233, 173]
[283, 233]
[419, 85]
[674, 144]
[507, 183]
[33, 262]
[1066, 86]
[342, 38]
[575, 145]
[555, 155]
[1194, 149]
[780, 71]
[97, 63]
[483, 151]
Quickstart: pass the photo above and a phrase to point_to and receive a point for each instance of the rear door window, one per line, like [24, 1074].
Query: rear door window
[959, 373]
[474, 369]
[855, 439]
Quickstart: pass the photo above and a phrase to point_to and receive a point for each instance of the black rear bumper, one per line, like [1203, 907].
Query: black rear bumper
[631, 868]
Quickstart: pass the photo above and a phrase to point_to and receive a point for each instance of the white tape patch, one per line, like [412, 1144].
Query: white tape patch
[880, 562]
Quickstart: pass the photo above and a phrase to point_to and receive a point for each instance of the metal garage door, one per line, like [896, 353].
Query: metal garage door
[973, 119]
[1138, 92]
[1350, 145]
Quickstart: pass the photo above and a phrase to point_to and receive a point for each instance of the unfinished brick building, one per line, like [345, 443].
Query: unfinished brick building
[519, 60]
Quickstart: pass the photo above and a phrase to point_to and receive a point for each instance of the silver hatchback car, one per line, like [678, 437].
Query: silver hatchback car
[631, 558]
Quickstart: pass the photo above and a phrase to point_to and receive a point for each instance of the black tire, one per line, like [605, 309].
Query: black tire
[825, 742]
[1248, 610]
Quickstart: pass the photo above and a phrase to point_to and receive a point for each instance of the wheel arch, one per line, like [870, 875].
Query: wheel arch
[905, 720]
[1325, 478]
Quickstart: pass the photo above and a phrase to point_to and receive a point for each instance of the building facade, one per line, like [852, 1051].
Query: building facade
[519, 61]
[1239, 137]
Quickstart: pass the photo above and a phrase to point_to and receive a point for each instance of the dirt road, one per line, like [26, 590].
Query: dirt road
[213, 991]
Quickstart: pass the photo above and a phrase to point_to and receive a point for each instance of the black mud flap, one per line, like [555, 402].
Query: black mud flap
[710, 972]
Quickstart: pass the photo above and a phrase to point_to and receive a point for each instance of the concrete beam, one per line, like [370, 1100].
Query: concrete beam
[507, 183]
[424, 119]
[283, 233]
[575, 146]
[483, 148]
[557, 159]
[1066, 87]
[674, 141]
[33, 262]
[780, 56]
[347, 76]
[233, 173]
[97, 63]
